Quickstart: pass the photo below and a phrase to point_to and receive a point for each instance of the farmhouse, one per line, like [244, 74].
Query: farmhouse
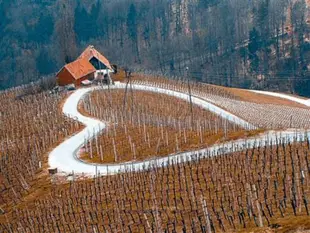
[95, 58]
[89, 65]
[75, 72]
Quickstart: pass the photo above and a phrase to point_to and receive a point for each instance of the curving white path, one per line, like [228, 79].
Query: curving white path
[64, 156]
[285, 96]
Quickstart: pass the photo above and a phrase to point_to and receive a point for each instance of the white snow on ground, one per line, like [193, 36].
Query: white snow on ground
[259, 114]
[196, 100]
[284, 96]
[269, 116]
[65, 159]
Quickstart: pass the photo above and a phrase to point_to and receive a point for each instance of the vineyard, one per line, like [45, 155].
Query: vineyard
[31, 125]
[145, 124]
[232, 192]
[262, 113]
[265, 188]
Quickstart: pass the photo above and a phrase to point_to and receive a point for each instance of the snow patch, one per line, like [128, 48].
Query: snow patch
[64, 157]
[284, 96]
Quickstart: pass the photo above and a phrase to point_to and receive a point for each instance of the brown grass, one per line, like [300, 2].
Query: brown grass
[33, 125]
[263, 99]
[234, 93]
[170, 198]
[265, 112]
[289, 224]
[119, 77]
[156, 199]
[164, 128]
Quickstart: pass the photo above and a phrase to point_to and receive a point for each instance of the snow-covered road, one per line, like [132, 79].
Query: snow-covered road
[65, 159]
[285, 96]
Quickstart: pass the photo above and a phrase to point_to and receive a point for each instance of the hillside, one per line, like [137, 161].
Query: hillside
[157, 159]
[260, 44]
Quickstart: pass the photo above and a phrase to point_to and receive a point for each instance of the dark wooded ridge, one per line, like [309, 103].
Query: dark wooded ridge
[260, 44]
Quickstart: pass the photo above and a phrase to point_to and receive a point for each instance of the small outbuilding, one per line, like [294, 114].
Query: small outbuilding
[88, 66]
[75, 72]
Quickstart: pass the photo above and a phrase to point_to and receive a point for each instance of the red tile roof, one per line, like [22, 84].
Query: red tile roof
[80, 68]
[91, 52]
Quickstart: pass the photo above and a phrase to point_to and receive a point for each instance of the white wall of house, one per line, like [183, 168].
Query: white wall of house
[104, 71]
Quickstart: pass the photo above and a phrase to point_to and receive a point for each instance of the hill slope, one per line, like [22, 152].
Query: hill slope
[261, 44]
[253, 184]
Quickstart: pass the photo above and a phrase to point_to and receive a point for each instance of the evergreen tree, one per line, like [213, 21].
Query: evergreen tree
[44, 63]
[207, 3]
[43, 30]
[132, 29]
[299, 47]
[132, 22]
[262, 22]
[253, 48]
[81, 26]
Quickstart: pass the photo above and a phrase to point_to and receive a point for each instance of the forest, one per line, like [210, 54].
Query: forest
[261, 44]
